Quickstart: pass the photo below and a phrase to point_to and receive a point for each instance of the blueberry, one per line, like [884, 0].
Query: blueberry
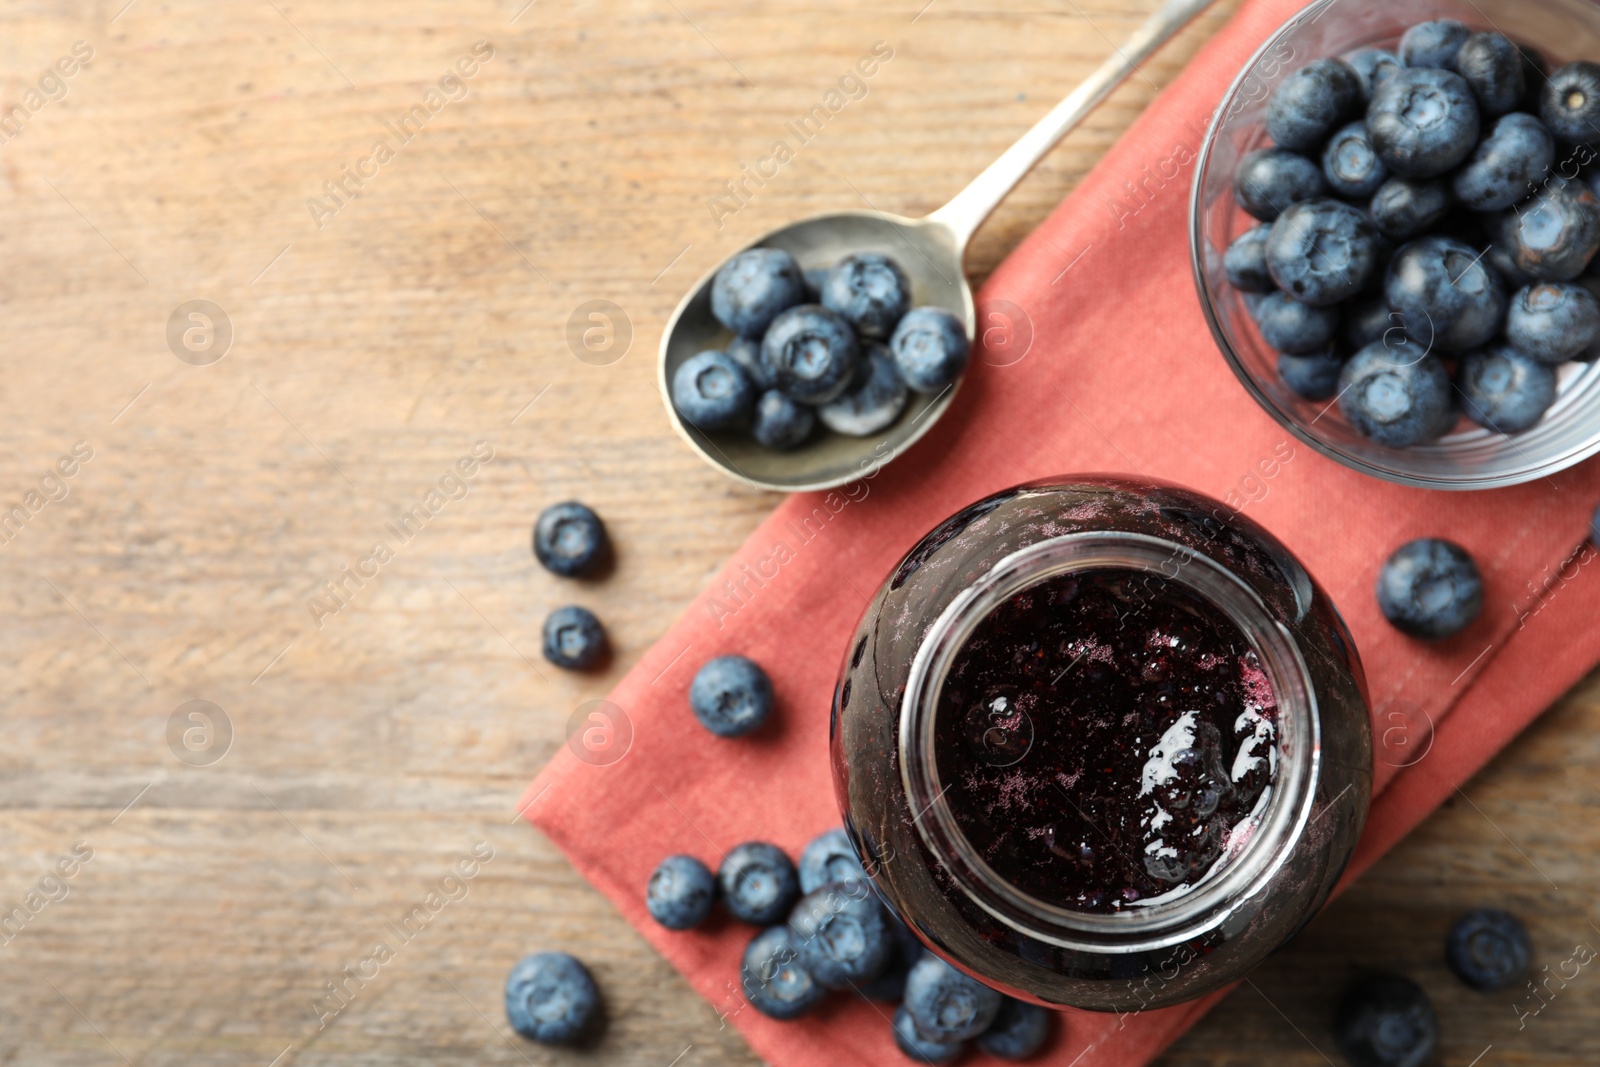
[1352, 168]
[780, 422]
[1511, 159]
[1423, 121]
[919, 1048]
[1314, 377]
[1405, 207]
[1290, 326]
[875, 400]
[1433, 44]
[712, 392]
[550, 998]
[811, 353]
[731, 696]
[1310, 103]
[1488, 949]
[891, 984]
[1554, 236]
[870, 291]
[930, 348]
[753, 287]
[758, 883]
[842, 935]
[574, 638]
[1322, 251]
[1019, 1031]
[774, 982]
[1394, 397]
[946, 1004]
[1504, 390]
[1445, 297]
[1430, 588]
[829, 859]
[680, 893]
[1386, 1021]
[1366, 319]
[1569, 103]
[1270, 179]
[1245, 261]
[1495, 69]
[570, 540]
[1553, 321]
[1373, 67]
[746, 351]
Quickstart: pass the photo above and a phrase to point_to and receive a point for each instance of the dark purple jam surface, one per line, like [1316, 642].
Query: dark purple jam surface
[1103, 738]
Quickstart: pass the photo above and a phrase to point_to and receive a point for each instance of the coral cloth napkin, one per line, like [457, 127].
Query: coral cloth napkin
[1120, 375]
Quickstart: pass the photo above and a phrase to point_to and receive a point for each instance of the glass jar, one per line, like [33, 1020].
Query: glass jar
[1282, 858]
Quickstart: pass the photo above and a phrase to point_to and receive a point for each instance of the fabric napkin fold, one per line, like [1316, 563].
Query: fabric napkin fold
[1117, 373]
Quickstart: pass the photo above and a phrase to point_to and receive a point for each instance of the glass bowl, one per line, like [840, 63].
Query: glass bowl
[1469, 457]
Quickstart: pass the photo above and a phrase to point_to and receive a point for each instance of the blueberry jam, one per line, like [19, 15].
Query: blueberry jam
[1105, 736]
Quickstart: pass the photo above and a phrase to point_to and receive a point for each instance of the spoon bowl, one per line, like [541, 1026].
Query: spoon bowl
[929, 250]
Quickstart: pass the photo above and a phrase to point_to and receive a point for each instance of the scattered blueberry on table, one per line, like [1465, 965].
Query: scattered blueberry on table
[1435, 201]
[1019, 1030]
[947, 1005]
[1488, 949]
[842, 935]
[842, 347]
[731, 696]
[574, 638]
[1430, 588]
[680, 893]
[774, 982]
[758, 883]
[829, 860]
[1386, 1020]
[570, 540]
[551, 998]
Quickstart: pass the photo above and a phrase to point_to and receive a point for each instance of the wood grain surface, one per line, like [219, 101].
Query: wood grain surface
[361, 746]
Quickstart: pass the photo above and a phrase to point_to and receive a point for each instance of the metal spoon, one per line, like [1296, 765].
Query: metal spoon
[930, 249]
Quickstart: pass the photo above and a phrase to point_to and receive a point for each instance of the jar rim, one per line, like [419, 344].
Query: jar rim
[1233, 879]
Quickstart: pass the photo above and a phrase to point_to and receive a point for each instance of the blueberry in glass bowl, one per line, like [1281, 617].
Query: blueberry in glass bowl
[1418, 210]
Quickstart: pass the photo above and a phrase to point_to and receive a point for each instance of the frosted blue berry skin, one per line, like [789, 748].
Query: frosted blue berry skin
[1311, 377]
[1352, 168]
[811, 353]
[773, 980]
[1245, 261]
[921, 1049]
[1290, 326]
[1511, 159]
[570, 540]
[1504, 390]
[1373, 67]
[1495, 69]
[1488, 949]
[574, 638]
[1322, 251]
[1553, 321]
[829, 859]
[746, 351]
[731, 696]
[1018, 1032]
[681, 893]
[1395, 398]
[1553, 236]
[1423, 121]
[1402, 208]
[712, 392]
[946, 1004]
[1311, 103]
[780, 422]
[1569, 102]
[753, 287]
[758, 883]
[1433, 44]
[551, 998]
[1386, 1020]
[930, 349]
[1447, 298]
[874, 402]
[1430, 588]
[1270, 179]
[870, 291]
[842, 935]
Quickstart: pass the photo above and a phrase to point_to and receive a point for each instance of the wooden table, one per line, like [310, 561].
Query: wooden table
[356, 748]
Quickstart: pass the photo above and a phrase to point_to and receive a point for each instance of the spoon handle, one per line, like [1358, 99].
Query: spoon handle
[972, 205]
